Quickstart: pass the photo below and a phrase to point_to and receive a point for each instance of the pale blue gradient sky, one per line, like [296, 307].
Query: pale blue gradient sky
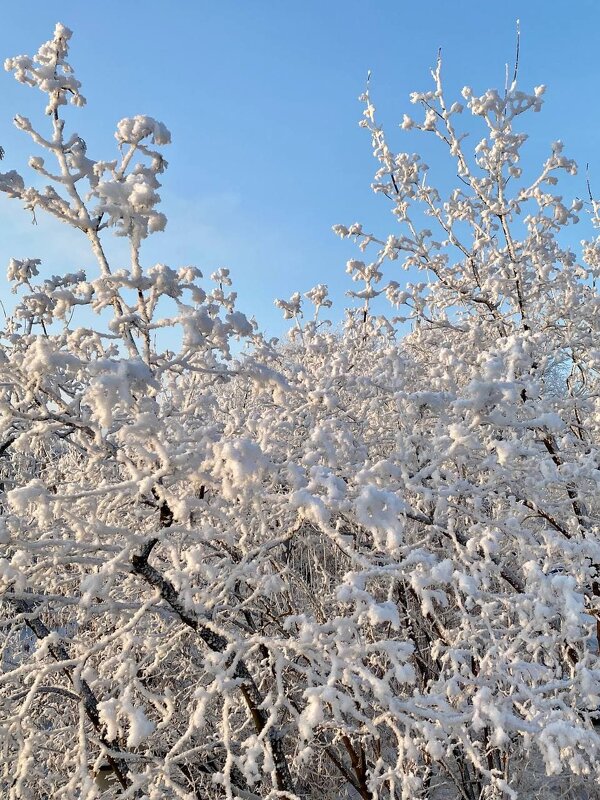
[261, 100]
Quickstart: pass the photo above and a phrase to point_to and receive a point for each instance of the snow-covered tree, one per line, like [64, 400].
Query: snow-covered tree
[362, 563]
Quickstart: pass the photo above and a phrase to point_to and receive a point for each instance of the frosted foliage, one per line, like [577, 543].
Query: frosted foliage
[359, 563]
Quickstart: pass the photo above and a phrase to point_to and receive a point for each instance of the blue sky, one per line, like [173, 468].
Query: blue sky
[261, 100]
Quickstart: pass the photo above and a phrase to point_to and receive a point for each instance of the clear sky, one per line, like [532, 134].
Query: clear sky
[261, 100]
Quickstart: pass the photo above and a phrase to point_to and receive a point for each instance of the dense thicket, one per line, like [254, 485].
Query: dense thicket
[362, 563]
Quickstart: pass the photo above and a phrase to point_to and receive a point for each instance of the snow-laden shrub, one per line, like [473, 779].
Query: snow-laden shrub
[361, 563]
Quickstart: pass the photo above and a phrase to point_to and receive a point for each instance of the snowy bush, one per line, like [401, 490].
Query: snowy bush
[363, 563]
